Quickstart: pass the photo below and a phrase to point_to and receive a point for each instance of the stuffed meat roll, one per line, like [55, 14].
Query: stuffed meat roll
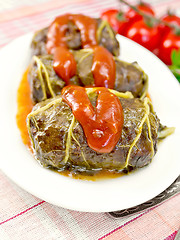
[46, 83]
[77, 31]
[63, 140]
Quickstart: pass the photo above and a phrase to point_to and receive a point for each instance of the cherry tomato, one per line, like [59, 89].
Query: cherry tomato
[170, 41]
[143, 34]
[169, 18]
[115, 19]
[133, 16]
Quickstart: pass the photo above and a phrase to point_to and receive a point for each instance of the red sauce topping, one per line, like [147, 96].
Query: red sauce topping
[103, 68]
[87, 27]
[103, 125]
[24, 107]
[64, 64]
[57, 31]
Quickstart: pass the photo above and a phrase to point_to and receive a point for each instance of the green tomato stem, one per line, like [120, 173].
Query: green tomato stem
[152, 18]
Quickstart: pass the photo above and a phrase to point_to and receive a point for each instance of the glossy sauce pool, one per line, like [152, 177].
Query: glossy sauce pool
[24, 107]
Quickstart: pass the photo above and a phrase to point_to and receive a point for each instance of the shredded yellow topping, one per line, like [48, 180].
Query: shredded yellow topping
[104, 24]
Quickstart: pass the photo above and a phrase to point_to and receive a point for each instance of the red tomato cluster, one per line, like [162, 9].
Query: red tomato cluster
[158, 38]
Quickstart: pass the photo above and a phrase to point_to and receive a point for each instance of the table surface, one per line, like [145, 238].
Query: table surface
[24, 216]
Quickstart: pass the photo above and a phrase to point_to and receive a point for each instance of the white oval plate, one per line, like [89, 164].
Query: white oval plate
[100, 196]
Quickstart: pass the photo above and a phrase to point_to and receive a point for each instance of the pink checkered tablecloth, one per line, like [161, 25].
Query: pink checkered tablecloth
[25, 217]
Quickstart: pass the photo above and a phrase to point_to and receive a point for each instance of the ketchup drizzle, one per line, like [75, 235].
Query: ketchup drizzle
[56, 33]
[64, 64]
[88, 29]
[102, 126]
[103, 68]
